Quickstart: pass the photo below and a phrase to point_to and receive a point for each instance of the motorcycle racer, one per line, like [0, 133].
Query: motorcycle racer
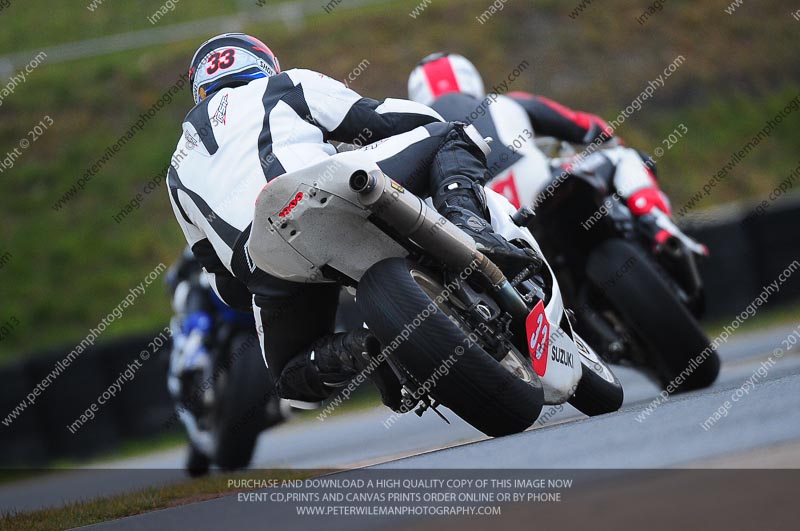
[210, 342]
[252, 123]
[452, 85]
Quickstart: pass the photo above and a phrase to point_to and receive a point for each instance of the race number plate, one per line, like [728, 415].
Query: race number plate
[537, 328]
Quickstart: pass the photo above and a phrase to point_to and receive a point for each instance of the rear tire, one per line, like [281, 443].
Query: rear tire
[473, 385]
[650, 310]
[242, 404]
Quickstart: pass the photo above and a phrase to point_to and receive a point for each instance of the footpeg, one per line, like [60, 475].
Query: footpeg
[428, 403]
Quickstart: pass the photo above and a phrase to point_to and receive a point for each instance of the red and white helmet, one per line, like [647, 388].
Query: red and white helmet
[440, 73]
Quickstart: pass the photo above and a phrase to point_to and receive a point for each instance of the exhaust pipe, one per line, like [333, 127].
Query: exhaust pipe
[362, 183]
[411, 217]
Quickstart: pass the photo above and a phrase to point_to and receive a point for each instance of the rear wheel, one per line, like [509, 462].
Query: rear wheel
[675, 347]
[436, 353]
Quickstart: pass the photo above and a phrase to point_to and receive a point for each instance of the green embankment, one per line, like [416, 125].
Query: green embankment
[69, 268]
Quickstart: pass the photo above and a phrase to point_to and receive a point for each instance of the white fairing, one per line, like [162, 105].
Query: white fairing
[562, 372]
[326, 226]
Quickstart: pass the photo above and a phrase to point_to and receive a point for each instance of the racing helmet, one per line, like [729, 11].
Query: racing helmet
[229, 60]
[441, 73]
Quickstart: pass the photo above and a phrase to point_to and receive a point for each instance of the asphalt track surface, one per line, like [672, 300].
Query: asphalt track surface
[762, 428]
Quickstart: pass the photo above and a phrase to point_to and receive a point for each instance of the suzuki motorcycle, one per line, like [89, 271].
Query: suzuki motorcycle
[454, 329]
[223, 393]
[632, 280]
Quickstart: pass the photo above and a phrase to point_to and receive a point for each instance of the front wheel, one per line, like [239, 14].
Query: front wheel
[197, 463]
[409, 311]
[243, 400]
[599, 391]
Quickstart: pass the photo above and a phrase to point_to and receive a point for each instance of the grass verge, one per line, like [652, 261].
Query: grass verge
[129, 504]
[783, 315]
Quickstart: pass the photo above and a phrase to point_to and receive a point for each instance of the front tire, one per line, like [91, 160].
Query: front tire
[599, 391]
[242, 406]
[426, 343]
[197, 463]
[670, 335]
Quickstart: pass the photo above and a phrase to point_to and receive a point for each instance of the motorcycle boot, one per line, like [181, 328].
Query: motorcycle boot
[463, 203]
[331, 362]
